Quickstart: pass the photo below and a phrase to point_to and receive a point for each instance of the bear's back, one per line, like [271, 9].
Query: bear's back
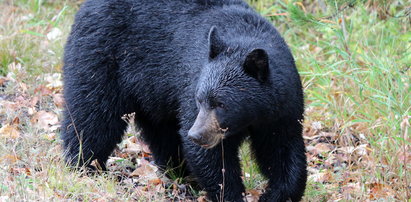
[215, 2]
[136, 42]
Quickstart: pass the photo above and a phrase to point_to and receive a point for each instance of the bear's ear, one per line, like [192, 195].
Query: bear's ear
[256, 64]
[216, 45]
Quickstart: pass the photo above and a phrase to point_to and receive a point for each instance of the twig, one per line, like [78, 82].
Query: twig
[81, 156]
[222, 170]
[404, 126]
[277, 14]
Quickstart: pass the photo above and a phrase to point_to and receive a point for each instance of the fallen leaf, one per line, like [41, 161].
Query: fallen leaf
[155, 181]
[320, 148]
[145, 171]
[10, 131]
[54, 81]
[54, 34]
[321, 177]
[12, 106]
[18, 171]
[252, 195]
[43, 90]
[132, 146]
[136, 146]
[58, 100]
[202, 199]
[141, 191]
[16, 121]
[378, 191]
[34, 101]
[132, 139]
[350, 188]
[9, 158]
[159, 188]
[3, 81]
[45, 120]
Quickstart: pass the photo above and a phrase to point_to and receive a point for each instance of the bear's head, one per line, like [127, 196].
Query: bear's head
[234, 90]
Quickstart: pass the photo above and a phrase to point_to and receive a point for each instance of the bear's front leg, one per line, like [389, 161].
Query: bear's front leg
[217, 169]
[280, 152]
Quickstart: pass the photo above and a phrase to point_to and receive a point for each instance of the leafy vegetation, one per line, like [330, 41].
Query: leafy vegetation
[354, 59]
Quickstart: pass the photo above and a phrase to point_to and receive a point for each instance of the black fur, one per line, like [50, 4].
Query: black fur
[166, 60]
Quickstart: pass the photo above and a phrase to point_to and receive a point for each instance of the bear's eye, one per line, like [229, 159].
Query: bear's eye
[215, 104]
[221, 105]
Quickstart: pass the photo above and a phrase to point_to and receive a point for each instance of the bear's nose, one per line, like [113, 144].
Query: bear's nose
[196, 137]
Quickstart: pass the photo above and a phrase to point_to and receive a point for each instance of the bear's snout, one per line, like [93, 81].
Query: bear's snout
[196, 137]
[206, 131]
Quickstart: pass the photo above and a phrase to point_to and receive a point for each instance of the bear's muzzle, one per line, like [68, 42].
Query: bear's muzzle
[206, 130]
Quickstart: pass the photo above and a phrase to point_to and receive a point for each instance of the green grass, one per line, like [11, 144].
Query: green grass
[354, 60]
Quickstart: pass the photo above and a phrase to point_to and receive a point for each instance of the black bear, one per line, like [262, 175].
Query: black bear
[201, 76]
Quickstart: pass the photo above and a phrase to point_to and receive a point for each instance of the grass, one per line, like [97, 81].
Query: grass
[354, 59]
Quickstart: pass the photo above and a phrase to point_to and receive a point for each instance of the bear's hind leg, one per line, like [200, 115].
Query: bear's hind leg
[91, 128]
[280, 152]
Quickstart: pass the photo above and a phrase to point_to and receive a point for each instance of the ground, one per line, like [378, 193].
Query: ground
[354, 61]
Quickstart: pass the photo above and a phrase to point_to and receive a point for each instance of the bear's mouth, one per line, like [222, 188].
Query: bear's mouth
[212, 140]
[206, 131]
